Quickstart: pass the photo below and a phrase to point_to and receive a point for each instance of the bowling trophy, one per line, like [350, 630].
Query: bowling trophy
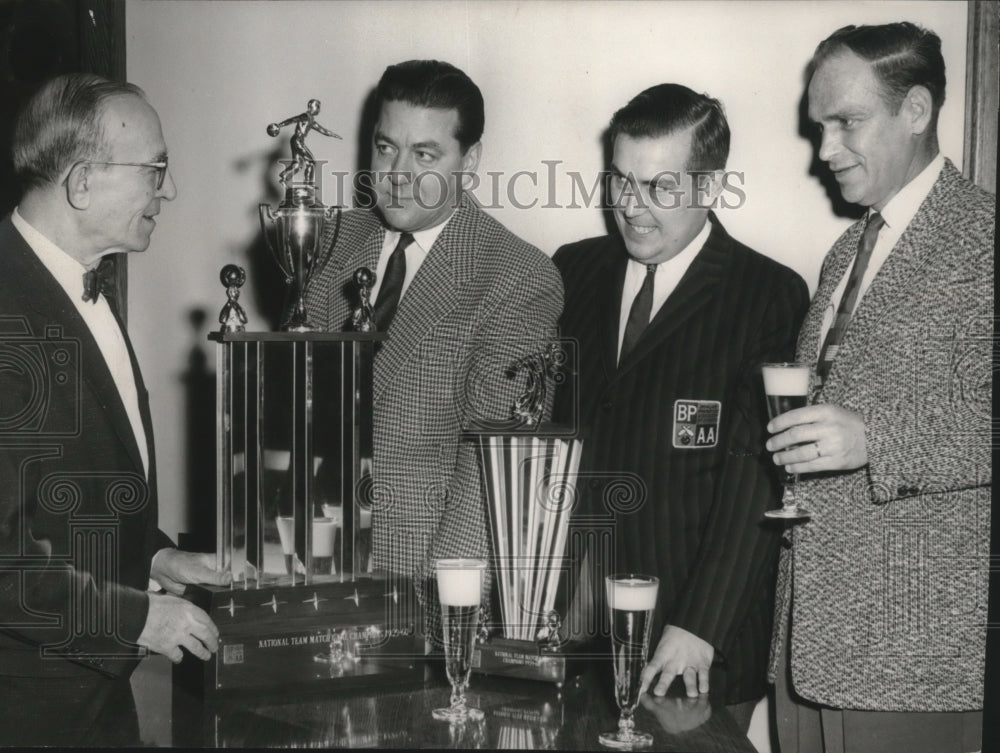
[529, 471]
[294, 233]
[294, 445]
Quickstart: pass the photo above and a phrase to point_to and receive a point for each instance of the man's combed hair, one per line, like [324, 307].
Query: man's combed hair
[61, 124]
[438, 85]
[669, 108]
[903, 55]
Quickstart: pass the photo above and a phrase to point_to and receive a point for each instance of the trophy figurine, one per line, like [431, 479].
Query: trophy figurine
[530, 469]
[294, 232]
[232, 317]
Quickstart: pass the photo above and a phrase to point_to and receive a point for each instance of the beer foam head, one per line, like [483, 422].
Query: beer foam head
[786, 379]
[460, 581]
[632, 594]
[324, 534]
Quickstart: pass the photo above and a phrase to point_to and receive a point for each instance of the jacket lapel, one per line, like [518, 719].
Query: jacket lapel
[432, 294]
[361, 244]
[55, 306]
[898, 274]
[609, 304]
[691, 293]
[834, 268]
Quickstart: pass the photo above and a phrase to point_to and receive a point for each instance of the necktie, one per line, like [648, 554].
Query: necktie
[392, 284]
[839, 327]
[638, 316]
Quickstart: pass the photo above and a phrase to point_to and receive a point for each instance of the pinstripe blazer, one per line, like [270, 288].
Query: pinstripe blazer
[481, 299]
[887, 583]
[690, 514]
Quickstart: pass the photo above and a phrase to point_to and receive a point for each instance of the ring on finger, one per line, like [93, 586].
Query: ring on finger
[818, 453]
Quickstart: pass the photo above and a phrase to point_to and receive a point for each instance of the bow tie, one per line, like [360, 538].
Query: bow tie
[96, 281]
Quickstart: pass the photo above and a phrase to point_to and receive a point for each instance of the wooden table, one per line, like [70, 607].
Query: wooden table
[520, 714]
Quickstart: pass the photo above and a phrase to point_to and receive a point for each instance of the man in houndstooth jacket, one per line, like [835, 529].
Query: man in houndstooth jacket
[886, 584]
[474, 299]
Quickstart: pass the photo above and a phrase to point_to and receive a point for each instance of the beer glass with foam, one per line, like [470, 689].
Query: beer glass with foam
[786, 386]
[460, 587]
[631, 601]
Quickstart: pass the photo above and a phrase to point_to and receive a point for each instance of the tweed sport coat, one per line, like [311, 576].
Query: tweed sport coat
[77, 516]
[887, 583]
[694, 513]
[481, 299]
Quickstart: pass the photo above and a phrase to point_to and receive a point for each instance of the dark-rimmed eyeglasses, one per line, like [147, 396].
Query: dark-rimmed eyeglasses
[160, 167]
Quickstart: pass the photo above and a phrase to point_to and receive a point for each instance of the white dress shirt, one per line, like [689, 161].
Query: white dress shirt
[897, 213]
[68, 272]
[416, 252]
[668, 275]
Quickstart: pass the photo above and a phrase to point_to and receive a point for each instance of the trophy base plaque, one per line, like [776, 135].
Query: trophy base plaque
[527, 660]
[358, 633]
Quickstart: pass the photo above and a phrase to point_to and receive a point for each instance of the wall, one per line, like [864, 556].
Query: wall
[552, 73]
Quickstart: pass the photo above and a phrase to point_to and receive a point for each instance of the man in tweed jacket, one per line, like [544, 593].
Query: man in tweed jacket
[886, 584]
[480, 299]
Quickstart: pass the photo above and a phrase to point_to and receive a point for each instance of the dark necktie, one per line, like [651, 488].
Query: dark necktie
[638, 317]
[850, 297]
[392, 284]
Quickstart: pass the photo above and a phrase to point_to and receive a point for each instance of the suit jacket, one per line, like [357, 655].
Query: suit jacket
[887, 582]
[481, 299]
[686, 493]
[77, 516]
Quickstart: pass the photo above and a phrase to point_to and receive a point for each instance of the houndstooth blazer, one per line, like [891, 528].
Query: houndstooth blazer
[481, 299]
[887, 583]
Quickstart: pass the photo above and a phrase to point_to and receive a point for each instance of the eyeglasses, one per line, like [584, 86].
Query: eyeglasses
[160, 167]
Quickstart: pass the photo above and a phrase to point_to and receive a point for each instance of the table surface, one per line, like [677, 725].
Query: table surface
[519, 714]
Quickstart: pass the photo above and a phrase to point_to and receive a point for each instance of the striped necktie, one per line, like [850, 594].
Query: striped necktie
[850, 297]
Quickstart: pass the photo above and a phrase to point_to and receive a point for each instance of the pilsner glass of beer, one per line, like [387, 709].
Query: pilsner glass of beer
[460, 588]
[631, 601]
[787, 388]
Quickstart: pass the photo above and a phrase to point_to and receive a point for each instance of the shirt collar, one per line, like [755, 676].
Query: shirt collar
[424, 239]
[67, 271]
[901, 208]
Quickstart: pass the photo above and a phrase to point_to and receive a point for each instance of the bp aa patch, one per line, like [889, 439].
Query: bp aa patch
[696, 423]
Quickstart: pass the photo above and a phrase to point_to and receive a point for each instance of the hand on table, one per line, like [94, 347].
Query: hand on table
[820, 437]
[679, 652]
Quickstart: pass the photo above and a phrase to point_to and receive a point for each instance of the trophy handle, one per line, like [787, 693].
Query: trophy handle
[267, 226]
[326, 254]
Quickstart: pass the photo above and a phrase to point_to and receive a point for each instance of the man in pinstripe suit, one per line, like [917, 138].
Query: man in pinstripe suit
[674, 318]
[461, 298]
[886, 585]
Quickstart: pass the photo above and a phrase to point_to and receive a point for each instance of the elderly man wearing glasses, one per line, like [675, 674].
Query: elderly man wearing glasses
[78, 506]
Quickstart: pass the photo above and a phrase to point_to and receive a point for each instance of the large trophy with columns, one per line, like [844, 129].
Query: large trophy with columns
[294, 461]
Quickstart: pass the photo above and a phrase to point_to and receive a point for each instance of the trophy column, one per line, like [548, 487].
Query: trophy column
[294, 456]
[295, 443]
